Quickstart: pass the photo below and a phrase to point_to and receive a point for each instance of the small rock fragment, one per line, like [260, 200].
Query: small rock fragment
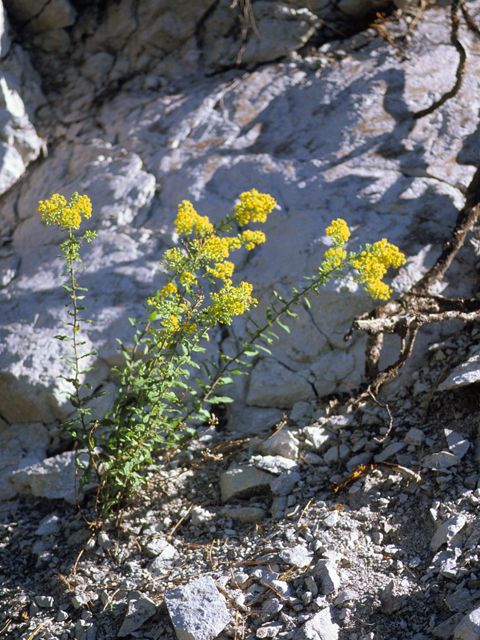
[459, 600]
[319, 627]
[244, 482]
[50, 524]
[456, 443]
[415, 436]
[45, 602]
[317, 437]
[139, 610]
[440, 460]
[283, 484]
[469, 626]
[390, 602]
[446, 531]
[282, 443]
[197, 610]
[445, 629]
[326, 572]
[243, 514]
[389, 451]
[158, 547]
[275, 464]
[336, 453]
[298, 556]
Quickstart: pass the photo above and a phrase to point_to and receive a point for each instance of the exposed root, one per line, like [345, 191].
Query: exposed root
[417, 307]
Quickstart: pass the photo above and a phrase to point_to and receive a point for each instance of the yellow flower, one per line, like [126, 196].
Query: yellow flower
[253, 206]
[67, 215]
[251, 238]
[222, 270]
[232, 301]
[338, 231]
[187, 278]
[172, 324]
[215, 248]
[372, 265]
[335, 256]
[168, 289]
[188, 220]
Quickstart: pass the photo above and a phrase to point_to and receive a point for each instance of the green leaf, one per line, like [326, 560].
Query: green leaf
[264, 349]
[59, 337]
[291, 313]
[219, 400]
[250, 353]
[284, 326]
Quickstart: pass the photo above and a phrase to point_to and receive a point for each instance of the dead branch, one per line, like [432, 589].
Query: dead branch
[417, 307]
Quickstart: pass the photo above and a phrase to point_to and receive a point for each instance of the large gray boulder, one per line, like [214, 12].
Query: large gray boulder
[329, 135]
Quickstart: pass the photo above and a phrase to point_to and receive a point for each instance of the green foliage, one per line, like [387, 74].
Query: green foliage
[159, 394]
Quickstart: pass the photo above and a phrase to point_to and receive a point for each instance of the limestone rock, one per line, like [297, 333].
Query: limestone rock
[447, 531]
[469, 627]
[139, 610]
[197, 610]
[243, 482]
[273, 385]
[54, 478]
[282, 443]
[319, 627]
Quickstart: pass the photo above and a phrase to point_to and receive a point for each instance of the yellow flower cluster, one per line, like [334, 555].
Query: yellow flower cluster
[187, 277]
[168, 289]
[372, 265]
[253, 206]
[232, 301]
[335, 256]
[188, 220]
[67, 215]
[338, 231]
[251, 238]
[171, 323]
[222, 270]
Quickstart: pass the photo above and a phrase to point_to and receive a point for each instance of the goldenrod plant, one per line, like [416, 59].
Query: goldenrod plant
[158, 398]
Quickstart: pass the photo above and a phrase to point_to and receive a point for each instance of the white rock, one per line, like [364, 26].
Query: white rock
[447, 531]
[50, 524]
[283, 484]
[457, 444]
[440, 460]
[299, 556]
[469, 627]
[160, 548]
[275, 464]
[197, 610]
[243, 481]
[466, 373]
[317, 436]
[273, 385]
[282, 443]
[54, 478]
[326, 571]
[139, 610]
[320, 627]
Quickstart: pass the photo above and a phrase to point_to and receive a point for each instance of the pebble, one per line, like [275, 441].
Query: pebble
[275, 464]
[447, 531]
[456, 443]
[415, 437]
[319, 627]
[243, 482]
[335, 453]
[317, 437]
[282, 443]
[446, 628]
[160, 548]
[298, 556]
[459, 600]
[50, 524]
[197, 610]
[469, 627]
[45, 602]
[389, 451]
[139, 610]
[440, 460]
[326, 572]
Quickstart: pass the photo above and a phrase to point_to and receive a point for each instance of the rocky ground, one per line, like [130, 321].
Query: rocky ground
[249, 538]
